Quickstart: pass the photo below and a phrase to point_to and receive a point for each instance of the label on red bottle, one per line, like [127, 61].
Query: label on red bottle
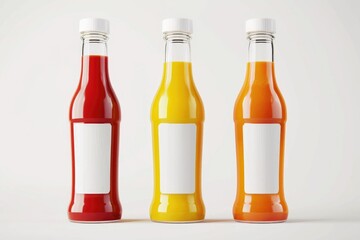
[177, 150]
[92, 146]
[261, 158]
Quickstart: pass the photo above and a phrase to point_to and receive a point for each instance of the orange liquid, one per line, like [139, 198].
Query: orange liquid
[259, 101]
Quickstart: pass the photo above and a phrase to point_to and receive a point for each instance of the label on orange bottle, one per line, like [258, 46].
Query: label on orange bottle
[261, 158]
[92, 145]
[177, 143]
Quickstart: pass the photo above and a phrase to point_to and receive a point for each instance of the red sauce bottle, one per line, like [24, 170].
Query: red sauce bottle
[94, 118]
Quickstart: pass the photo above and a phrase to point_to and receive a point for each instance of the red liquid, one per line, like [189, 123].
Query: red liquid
[95, 102]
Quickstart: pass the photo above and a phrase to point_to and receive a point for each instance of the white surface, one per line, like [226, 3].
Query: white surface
[177, 25]
[177, 144]
[260, 25]
[94, 25]
[92, 143]
[317, 71]
[261, 144]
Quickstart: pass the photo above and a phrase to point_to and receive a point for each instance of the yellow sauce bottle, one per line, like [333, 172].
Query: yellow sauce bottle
[177, 117]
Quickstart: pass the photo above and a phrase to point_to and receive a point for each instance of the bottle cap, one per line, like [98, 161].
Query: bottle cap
[94, 25]
[177, 25]
[260, 25]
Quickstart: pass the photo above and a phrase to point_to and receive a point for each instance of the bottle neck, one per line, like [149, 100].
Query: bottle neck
[177, 47]
[177, 67]
[94, 44]
[94, 67]
[261, 47]
[260, 67]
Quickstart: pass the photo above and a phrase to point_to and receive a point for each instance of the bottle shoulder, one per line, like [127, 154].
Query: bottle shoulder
[262, 102]
[95, 102]
[177, 104]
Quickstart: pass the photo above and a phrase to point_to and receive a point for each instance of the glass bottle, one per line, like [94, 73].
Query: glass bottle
[94, 119]
[177, 117]
[260, 117]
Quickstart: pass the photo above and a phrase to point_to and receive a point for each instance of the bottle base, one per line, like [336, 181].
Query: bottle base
[176, 217]
[260, 222]
[94, 222]
[94, 217]
[177, 222]
[261, 217]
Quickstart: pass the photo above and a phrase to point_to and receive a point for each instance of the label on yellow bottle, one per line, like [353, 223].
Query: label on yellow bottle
[261, 158]
[92, 145]
[177, 148]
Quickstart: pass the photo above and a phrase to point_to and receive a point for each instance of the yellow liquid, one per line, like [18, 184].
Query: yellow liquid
[177, 101]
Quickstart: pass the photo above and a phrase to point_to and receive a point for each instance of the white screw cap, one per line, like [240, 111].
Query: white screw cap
[94, 25]
[260, 25]
[177, 25]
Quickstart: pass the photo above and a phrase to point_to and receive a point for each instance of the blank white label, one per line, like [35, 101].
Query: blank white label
[177, 143]
[92, 144]
[261, 158]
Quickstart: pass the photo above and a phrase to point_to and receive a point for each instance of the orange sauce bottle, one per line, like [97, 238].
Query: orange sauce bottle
[260, 117]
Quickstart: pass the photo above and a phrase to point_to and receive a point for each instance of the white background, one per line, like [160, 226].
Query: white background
[317, 65]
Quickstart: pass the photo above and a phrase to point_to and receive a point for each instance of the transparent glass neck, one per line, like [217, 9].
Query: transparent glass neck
[94, 43]
[261, 48]
[177, 47]
[94, 62]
